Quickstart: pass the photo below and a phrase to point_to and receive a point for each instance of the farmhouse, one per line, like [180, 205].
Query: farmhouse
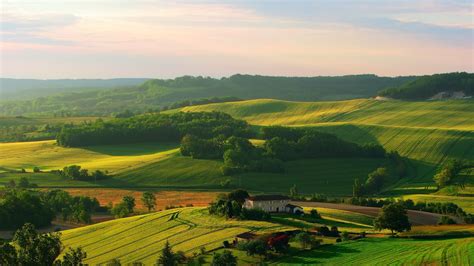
[271, 203]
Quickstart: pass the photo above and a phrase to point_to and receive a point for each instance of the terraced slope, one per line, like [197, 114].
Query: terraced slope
[141, 238]
[427, 132]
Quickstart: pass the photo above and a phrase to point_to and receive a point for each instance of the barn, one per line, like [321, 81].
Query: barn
[272, 203]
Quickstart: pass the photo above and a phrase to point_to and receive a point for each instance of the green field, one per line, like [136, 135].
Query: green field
[140, 238]
[48, 156]
[170, 169]
[346, 216]
[425, 132]
[385, 251]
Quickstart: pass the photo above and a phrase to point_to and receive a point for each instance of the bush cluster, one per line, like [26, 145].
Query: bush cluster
[20, 206]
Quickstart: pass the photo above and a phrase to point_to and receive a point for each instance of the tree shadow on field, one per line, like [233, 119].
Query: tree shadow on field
[133, 149]
[348, 132]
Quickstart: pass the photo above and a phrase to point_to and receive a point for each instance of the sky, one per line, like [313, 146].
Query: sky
[150, 38]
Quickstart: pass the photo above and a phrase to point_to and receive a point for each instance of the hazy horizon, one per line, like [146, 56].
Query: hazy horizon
[49, 39]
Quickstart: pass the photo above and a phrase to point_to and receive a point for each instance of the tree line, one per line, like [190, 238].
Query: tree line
[152, 127]
[19, 206]
[76, 172]
[427, 86]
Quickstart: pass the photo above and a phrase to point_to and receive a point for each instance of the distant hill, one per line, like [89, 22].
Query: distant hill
[31, 88]
[157, 93]
[438, 86]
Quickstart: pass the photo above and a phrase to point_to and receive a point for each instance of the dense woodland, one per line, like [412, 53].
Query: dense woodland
[281, 144]
[427, 86]
[158, 93]
[153, 128]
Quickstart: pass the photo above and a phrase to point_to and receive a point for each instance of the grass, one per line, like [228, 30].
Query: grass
[386, 251]
[345, 216]
[141, 238]
[446, 231]
[48, 156]
[152, 165]
[425, 132]
[438, 115]
[328, 176]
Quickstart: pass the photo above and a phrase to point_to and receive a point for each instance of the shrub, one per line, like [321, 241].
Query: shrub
[36, 169]
[224, 259]
[314, 214]
[254, 214]
[446, 220]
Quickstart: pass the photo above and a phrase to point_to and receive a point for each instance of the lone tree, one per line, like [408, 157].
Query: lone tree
[169, 258]
[357, 188]
[294, 191]
[129, 201]
[149, 200]
[393, 217]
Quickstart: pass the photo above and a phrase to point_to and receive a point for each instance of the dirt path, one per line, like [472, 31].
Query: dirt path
[415, 217]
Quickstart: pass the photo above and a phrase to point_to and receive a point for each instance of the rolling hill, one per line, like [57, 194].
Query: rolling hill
[425, 132]
[161, 165]
[158, 93]
[141, 238]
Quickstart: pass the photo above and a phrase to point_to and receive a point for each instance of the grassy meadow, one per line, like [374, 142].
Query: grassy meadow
[385, 251]
[161, 165]
[425, 132]
[48, 156]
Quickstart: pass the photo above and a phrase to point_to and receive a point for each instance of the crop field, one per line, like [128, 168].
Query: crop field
[385, 251]
[425, 132]
[48, 156]
[441, 230]
[345, 216]
[163, 198]
[141, 238]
